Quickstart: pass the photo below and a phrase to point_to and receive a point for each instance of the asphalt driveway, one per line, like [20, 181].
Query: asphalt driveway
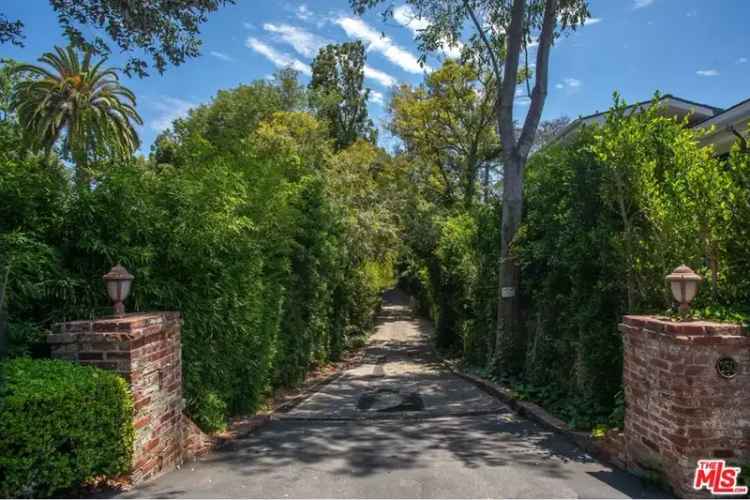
[398, 425]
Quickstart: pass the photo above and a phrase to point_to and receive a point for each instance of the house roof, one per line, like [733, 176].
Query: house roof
[725, 126]
[677, 106]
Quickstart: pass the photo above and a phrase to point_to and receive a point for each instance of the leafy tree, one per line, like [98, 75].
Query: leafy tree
[31, 189]
[610, 212]
[80, 103]
[11, 31]
[293, 94]
[548, 131]
[224, 126]
[339, 96]
[166, 30]
[501, 34]
[447, 122]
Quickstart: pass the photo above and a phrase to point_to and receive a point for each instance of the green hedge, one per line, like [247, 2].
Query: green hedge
[244, 219]
[451, 269]
[61, 425]
[608, 213]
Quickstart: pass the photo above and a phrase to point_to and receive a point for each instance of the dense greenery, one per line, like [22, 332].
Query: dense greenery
[62, 424]
[609, 213]
[498, 35]
[165, 31]
[339, 99]
[447, 124]
[245, 219]
[272, 221]
[78, 103]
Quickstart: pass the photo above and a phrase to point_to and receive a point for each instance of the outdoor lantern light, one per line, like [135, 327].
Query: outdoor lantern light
[684, 284]
[118, 281]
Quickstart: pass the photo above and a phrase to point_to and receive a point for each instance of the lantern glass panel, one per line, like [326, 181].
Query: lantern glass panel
[113, 290]
[125, 289]
[691, 288]
[677, 291]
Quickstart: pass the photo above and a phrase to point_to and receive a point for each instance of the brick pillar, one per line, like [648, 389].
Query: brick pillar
[146, 350]
[680, 407]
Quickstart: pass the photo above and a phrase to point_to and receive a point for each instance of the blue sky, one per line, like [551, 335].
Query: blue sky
[696, 49]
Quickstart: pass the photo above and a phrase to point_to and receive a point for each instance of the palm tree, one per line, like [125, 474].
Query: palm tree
[82, 105]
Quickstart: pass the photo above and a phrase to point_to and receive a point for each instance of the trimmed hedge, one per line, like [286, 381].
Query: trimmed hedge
[61, 425]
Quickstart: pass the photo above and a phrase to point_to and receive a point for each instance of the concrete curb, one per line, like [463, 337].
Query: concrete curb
[594, 447]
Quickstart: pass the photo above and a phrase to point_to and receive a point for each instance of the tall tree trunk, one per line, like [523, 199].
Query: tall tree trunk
[509, 342]
[509, 345]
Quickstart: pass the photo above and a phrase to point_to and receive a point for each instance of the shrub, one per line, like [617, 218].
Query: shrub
[609, 214]
[272, 247]
[61, 425]
[453, 275]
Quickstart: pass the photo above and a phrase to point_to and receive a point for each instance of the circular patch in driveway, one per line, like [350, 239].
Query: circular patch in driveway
[385, 399]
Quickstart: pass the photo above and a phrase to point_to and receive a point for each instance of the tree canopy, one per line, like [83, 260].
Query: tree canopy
[166, 30]
[448, 122]
[339, 95]
[78, 102]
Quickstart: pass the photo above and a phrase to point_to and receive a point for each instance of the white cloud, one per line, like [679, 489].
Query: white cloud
[221, 55]
[405, 16]
[639, 4]
[303, 13]
[279, 59]
[381, 77]
[376, 97]
[592, 20]
[522, 101]
[742, 60]
[248, 25]
[707, 72]
[302, 41]
[168, 110]
[356, 28]
[570, 85]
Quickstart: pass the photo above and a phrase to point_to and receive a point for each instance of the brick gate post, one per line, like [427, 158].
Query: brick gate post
[144, 348]
[686, 394]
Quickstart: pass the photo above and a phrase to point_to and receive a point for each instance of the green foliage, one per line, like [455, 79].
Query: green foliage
[599, 431]
[338, 94]
[453, 275]
[448, 124]
[62, 424]
[79, 103]
[609, 214]
[165, 30]
[209, 411]
[243, 219]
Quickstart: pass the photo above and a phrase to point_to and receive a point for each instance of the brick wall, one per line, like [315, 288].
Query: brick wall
[678, 407]
[146, 350]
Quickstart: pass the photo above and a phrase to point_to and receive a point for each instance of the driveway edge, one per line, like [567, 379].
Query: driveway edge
[243, 426]
[609, 449]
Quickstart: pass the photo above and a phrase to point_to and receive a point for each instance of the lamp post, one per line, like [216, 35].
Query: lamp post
[684, 282]
[118, 281]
